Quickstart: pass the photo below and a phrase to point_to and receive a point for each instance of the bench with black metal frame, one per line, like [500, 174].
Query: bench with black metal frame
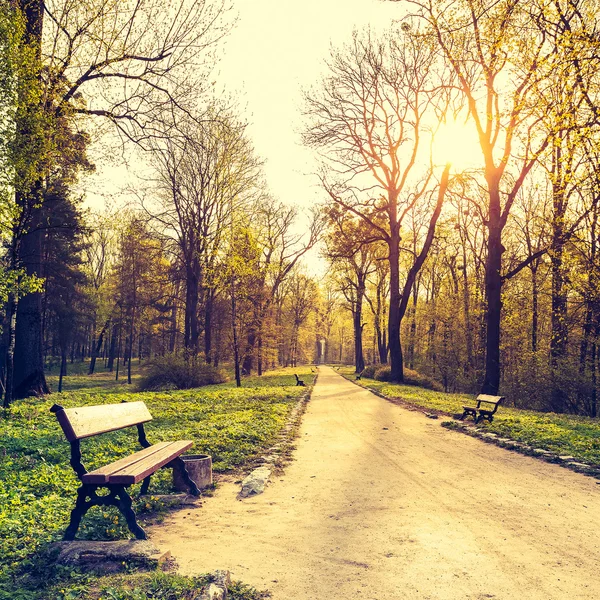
[87, 421]
[479, 413]
[299, 381]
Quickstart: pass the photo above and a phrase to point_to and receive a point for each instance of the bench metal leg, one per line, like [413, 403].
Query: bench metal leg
[179, 464]
[117, 497]
[145, 485]
[81, 507]
[124, 505]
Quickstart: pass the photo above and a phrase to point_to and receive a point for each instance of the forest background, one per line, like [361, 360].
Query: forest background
[459, 174]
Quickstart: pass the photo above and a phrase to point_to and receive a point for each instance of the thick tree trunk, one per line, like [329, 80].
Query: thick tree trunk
[396, 359]
[493, 290]
[29, 378]
[191, 310]
[359, 359]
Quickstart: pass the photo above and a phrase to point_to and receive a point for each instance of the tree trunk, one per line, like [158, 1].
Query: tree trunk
[236, 351]
[112, 351]
[191, 310]
[559, 334]
[396, 360]
[259, 355]
[10, 350]
[493, 290]
[208, 325]
[359, 359]
[248, 362]
[63, 367]
[96, 348]
[29, 378]
[534, 308]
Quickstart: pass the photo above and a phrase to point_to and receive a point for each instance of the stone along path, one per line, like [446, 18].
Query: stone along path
[381, 503]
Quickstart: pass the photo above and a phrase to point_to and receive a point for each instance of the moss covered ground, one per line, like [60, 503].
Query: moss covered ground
[37, 485]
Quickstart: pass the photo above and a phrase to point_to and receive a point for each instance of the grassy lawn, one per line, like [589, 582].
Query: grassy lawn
[561, 434]
[37, 484]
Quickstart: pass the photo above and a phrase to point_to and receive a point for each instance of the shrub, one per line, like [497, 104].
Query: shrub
[413, 378]
[384, 373]
[173, 372]
[369, 371]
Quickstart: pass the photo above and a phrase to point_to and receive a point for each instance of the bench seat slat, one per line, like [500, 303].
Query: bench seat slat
[101, 475]
[86, 421]
[140, 469]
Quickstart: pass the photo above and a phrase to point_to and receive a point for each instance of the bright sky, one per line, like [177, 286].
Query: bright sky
[276, 50]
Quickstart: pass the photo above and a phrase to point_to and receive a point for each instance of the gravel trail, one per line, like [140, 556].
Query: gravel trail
[381, 503]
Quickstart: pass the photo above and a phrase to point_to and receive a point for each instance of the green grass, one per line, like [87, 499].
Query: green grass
[37, 484]
[558, 433]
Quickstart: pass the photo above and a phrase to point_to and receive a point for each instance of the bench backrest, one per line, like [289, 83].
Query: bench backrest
[86, 421]
[490, 399]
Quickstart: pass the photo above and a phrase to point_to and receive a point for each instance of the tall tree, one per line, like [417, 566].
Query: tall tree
[368, 117]
[499, 58]
[204, 175]
[136, 61]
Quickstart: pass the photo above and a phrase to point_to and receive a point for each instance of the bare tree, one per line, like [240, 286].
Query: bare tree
[277, 249]
[204, 176]
[369, 118]
[132, 64]
[501, 55]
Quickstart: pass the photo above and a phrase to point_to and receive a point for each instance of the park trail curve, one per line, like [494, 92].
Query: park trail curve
[381, 503]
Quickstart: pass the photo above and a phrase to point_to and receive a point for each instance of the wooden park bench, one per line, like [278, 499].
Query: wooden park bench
[478, 413]
[88, 421]
[299, 381]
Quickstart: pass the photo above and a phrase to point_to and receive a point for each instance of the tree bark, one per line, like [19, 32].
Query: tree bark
[29, 378]
[191, 310]
[359, 359]
[493, 290]
[96, 348]
[396, 359]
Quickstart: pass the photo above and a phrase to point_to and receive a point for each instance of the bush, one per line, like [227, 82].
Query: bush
[369, 371]
[383, 373]
[413, 378]
[173, 372]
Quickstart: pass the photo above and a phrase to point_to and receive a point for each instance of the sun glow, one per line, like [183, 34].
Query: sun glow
[456, 142]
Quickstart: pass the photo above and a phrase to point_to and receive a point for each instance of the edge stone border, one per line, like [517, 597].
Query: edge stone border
[256, 481]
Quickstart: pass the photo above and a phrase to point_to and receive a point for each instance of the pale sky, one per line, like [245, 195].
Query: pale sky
[276, 50]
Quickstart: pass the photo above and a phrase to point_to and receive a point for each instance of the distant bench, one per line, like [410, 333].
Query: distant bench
[88, 421]
[492, 403]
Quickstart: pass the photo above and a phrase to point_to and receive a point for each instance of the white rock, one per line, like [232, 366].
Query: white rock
[255, 482]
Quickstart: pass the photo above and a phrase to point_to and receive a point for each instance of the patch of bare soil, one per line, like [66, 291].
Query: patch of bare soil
[382, 503]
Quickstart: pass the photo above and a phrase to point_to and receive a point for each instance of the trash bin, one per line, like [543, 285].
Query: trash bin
[199, 467]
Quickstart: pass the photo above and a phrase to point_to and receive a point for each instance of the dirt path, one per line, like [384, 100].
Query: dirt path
[382, 503]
